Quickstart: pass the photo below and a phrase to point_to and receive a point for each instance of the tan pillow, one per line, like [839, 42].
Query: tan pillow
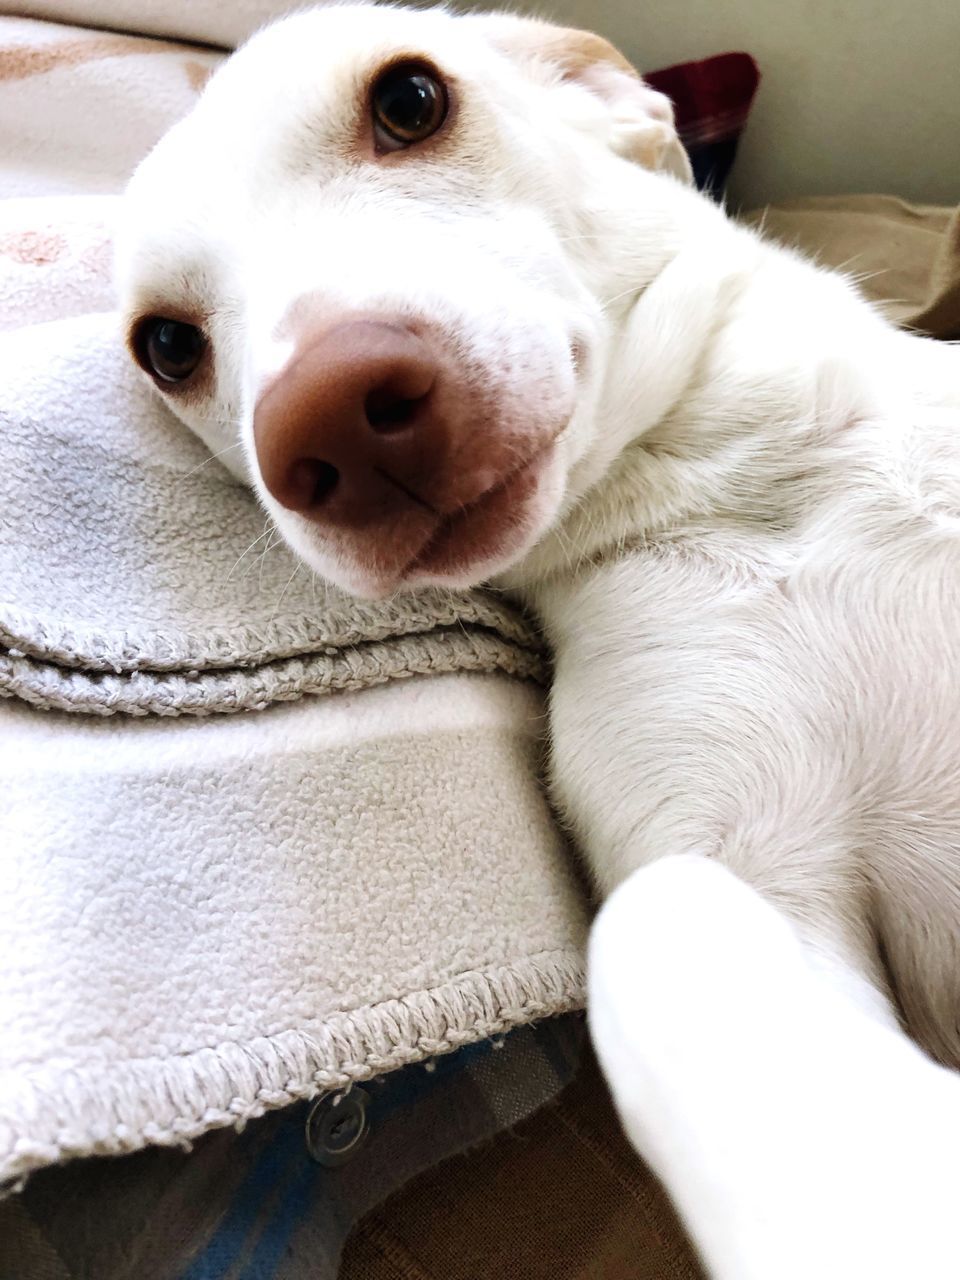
[907, 255]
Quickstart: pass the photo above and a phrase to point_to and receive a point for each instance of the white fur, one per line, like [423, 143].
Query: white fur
[745, 552]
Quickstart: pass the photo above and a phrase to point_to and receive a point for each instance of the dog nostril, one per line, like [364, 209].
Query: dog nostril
[386, 412]
[312, 482]
[327, 479]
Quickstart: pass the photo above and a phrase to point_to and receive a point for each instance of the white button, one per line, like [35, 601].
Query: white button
[337, 1126]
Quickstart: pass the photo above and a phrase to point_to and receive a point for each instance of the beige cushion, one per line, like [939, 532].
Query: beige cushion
[906, 256]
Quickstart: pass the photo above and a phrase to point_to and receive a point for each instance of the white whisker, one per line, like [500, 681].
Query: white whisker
[296, 569]
[634, 288]
[250, 548]
[263, 555]
[206, 462]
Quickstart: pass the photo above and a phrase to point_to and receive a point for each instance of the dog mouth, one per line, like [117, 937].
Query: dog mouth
[487, 531]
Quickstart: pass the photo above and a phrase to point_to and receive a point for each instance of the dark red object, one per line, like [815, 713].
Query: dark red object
[711, 102]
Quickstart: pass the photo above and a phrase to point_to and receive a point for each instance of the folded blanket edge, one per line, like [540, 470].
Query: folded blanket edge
[91, 649]
[171, 1101]
[49, 687]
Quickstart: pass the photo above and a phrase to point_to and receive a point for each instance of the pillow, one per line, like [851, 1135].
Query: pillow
[711, 101]
[905, 257]
[200, 21]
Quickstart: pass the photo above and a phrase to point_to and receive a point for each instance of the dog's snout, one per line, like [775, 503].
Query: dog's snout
[401, 450]
[351, 423]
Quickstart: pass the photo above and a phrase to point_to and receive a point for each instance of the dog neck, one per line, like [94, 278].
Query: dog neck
[721, 407]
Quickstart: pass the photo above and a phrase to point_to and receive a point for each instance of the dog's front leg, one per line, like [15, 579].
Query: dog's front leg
[800, 1134]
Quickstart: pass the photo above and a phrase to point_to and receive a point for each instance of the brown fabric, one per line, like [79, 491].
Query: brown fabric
[24, 1250]
[560, 1197]
[906, 256]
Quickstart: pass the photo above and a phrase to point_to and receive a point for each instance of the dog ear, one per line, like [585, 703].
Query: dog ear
[641, 118]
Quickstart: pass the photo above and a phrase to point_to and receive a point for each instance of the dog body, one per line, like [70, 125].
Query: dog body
[731, 494]
[782, 655]
[768, 580]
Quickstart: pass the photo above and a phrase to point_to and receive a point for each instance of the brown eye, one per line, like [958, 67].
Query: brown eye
[169, 349]
[409, 104]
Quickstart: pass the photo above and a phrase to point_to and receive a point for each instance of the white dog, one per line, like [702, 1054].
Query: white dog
[445, 280]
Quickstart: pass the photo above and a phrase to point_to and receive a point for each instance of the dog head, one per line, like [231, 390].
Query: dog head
[377, 269]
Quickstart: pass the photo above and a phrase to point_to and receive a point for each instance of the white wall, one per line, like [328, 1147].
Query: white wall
[862, 95]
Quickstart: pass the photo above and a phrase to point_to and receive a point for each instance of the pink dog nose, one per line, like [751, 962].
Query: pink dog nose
[351, 426]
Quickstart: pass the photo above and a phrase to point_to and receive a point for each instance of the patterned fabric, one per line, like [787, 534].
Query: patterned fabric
[562, 1196]
[711, 101]
[277, 1201]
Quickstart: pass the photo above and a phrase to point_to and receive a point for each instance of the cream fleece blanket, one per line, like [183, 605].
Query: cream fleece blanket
[206, 915]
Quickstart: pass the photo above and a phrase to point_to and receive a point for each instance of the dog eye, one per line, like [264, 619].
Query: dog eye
[169, 349]
[409, 104]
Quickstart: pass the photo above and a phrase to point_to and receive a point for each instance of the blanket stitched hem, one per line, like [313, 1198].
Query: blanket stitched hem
[171, 1101]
